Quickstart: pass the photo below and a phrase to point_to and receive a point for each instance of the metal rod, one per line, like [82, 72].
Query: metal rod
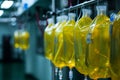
[86, 3]
[54, 17]
[54, 9]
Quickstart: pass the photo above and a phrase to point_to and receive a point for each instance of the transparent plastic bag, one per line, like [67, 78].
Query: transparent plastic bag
[49, 40]
[115, 50]
[21, 39]
[24, 40]
[58, 41]
[17, 37]
[81, 47]
[68, 41]
[98, 38]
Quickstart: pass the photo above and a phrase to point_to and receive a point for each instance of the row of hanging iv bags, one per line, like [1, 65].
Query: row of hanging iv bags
[91, 46]
[21, 39]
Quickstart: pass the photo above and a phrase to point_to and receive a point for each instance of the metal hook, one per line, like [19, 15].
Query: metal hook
[80, 11]
[77, 9]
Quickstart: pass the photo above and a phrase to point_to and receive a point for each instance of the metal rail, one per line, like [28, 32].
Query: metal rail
[86, 3]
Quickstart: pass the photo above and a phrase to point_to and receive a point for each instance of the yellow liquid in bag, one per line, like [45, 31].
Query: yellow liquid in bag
[69, 44]
[80, 33]
[58, 41]
[115, 49]
[49, 42]
[99, 48]
[17, 38]
[24, 40]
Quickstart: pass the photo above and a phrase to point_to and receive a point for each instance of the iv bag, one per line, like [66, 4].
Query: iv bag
[80, 45]
[115, 50]
[68, 41]
[99, 45]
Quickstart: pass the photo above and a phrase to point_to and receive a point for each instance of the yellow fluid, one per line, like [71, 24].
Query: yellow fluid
[17, 38]
[58, 41]
[115, 49]
[49, 42]
[99, 49]
[115, 77]
[24, 40]
[80, 33]
[68, 42]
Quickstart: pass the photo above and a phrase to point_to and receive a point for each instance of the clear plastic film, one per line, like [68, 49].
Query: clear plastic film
[71, 16]
[101, 9]
[98, 38]
[80, 45]
[58, 43]
[86, 12]
[115, 50]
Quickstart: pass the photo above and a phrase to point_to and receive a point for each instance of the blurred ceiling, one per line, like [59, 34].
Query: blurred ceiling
[42, 6]
[14, 10]
[9, 12]
[18, 9]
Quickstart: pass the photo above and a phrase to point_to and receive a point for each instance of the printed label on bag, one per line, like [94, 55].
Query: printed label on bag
[88, 39]
[111, 29]
[55, 40]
